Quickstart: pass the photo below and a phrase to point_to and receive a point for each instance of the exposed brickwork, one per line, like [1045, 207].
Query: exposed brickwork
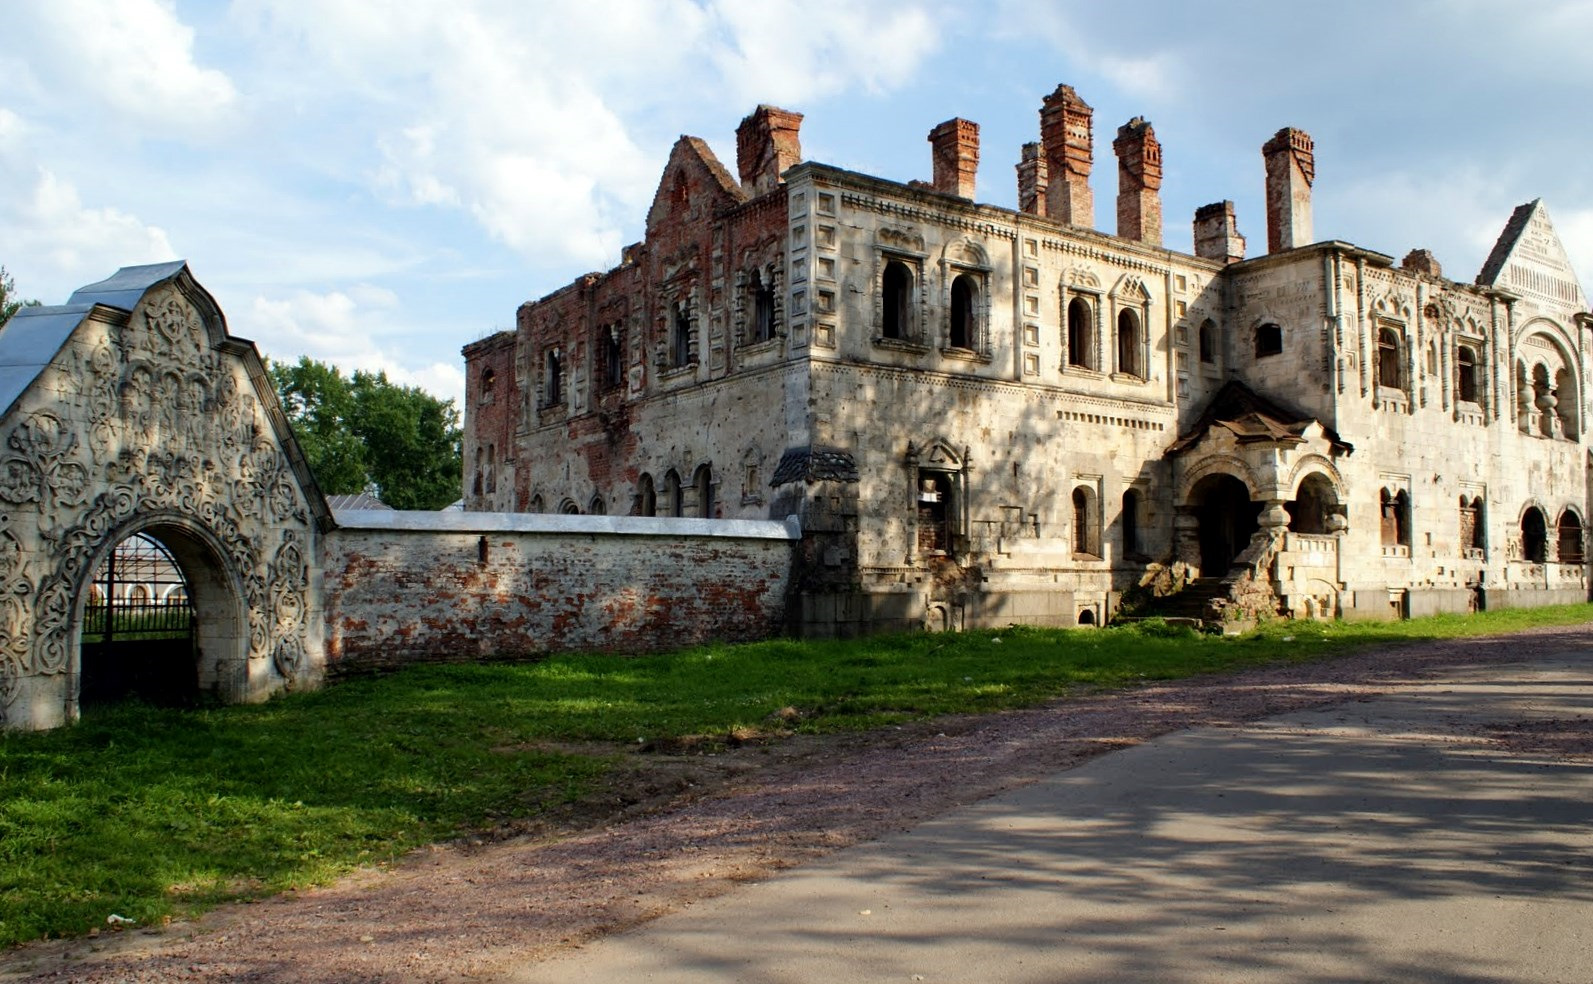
[1217, 233]
[767, 142]
[1423, 263]
[1291, 170]
[1067, 130]
[1139, 182]
[955, 146]
[492, 392]
[394, 597]
[1032, 176]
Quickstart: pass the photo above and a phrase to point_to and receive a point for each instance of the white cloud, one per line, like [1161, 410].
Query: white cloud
[351, 329]
[135, 57]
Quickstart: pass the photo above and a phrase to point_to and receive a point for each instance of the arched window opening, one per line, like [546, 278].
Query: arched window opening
[476, 485]
[492, 468]
[1087, 616]
[1543, 399]
[964, 323]
[1131, 517]
[1565, 404]
[680, 337]
[1534, 537]
[896, 288]
[1311, 506]
[1466, 374]
[1208, 342]
[1269, 340]
[762, 309]
[672, 497]
[537, 505]
[597, 507]
[569, 508]
[703, 481]
[553, 378]
[1086, 526]
[489, 380]
[1569, 542]
[1390, 359]
[139, 628]
[611, 356]
[1081, 334]
[1472, 527]
[646, 496]
[1395, 509]
[1128, 344]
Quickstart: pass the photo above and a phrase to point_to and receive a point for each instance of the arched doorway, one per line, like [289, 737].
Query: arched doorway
[161, 620]
[1227, 521]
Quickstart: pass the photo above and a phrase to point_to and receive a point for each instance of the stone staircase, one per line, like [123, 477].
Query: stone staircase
[1192, 603]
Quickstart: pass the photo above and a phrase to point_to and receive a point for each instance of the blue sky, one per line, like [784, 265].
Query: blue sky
[376, 184]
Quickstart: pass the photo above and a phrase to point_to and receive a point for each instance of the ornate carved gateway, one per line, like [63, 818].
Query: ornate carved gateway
[131, 410]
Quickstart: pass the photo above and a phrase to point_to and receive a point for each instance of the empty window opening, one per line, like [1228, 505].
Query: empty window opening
[1208, 342]
[1311, 506]
[646, 496]
[489, 380]
[553, 378]
[896, 287]
[680, 337]
[1569, 546]
[1128, 344]
[1086, 526]
[1534, 536]
[1565, 404]
[964, 293]
[492, 468]
[1269, 340]
[1131, 536]
[536, 504]
[1472, 526]
[1087, 616]
[597, 507]
[703, 481]
[611, 356]
[673, 505]
[762, 309]
[1390, 359]
[1466, 374]
[1081, 334]
[1395, 512]
[934, 512]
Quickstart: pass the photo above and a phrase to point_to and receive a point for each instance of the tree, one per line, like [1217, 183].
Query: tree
[9, 302]
[366, 433]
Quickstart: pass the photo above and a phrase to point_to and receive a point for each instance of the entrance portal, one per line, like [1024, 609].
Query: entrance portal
[138, 628]
[1227, 521]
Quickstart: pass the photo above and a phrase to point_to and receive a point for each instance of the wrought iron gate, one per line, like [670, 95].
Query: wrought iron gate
[138, 628]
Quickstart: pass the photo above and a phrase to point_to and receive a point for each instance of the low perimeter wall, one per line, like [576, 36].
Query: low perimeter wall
[401, 587]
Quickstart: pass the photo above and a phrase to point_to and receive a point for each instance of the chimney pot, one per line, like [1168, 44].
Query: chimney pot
[955, 145]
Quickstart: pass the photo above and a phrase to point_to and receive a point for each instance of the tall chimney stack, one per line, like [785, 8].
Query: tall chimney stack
[955, 144]
[1217, 233]
[767, 144]
[1031, 180]
[1139, 182]
[1067, 131]
[1291, 167]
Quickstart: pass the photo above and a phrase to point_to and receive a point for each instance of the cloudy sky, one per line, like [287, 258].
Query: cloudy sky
[376, 184]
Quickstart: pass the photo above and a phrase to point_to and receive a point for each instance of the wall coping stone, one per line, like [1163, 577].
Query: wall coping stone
[459, 521]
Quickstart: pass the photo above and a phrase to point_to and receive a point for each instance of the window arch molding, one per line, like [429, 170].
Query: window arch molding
[965, 273]
[1130, 318]
[898, 279]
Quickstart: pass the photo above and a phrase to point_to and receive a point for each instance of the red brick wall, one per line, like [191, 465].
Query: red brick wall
[398, 596]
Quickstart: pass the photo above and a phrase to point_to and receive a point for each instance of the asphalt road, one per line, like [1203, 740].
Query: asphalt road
[1387, 840]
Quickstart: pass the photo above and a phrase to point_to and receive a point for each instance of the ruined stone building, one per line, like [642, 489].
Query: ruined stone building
[983, 416]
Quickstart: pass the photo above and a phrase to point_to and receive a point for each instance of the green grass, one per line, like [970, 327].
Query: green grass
[146, 812]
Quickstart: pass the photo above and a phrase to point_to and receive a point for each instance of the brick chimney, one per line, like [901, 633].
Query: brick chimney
[1291, 167]
[955, 145]
[1422, 262]
[1217, 233]
[1031, 180]
[1139, 182]
[1066, 130]
[767, 144]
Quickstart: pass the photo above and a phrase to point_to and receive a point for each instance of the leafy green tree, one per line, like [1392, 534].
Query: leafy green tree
[366, 433]
[9, 302]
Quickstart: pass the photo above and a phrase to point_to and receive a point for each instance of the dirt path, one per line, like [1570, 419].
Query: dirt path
[684, 828]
